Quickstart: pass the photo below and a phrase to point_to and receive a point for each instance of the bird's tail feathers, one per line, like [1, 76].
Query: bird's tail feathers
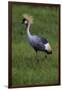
[48, 48]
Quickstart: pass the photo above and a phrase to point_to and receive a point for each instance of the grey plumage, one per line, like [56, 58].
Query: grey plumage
[38, 43]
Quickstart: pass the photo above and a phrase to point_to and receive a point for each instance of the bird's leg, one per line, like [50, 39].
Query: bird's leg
[45, 55]
[37, 59]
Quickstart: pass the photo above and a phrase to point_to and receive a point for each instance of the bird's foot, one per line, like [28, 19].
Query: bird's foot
[37, 60]
[45, 56]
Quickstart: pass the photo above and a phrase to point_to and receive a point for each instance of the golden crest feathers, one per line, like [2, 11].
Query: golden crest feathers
[28, 17]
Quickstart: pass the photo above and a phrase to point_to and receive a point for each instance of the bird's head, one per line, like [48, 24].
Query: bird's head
[27, 19]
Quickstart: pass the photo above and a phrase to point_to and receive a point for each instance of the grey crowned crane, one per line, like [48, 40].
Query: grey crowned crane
[38, 43]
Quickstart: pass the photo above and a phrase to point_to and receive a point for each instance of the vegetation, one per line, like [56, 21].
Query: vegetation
[25, 70]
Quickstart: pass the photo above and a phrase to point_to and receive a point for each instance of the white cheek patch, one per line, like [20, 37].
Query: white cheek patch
[25, 22]
[47, 47]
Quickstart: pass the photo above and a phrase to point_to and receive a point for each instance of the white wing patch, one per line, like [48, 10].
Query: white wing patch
[48, 47]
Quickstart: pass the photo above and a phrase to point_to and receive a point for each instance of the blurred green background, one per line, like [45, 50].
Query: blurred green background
[25, 70]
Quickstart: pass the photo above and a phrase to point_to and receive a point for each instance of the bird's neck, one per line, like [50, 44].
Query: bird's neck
[28, 28]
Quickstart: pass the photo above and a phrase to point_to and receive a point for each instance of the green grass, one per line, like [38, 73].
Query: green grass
[25, 70]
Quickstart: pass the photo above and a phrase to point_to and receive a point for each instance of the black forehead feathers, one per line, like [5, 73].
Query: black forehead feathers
[24, 19]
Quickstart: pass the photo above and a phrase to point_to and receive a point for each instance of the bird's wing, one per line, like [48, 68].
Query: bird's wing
[40, 39]
[38, 42]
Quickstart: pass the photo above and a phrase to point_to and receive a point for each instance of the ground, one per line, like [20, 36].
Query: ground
[25, 70]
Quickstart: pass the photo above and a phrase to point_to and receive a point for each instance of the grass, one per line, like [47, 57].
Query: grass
[25, 70]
